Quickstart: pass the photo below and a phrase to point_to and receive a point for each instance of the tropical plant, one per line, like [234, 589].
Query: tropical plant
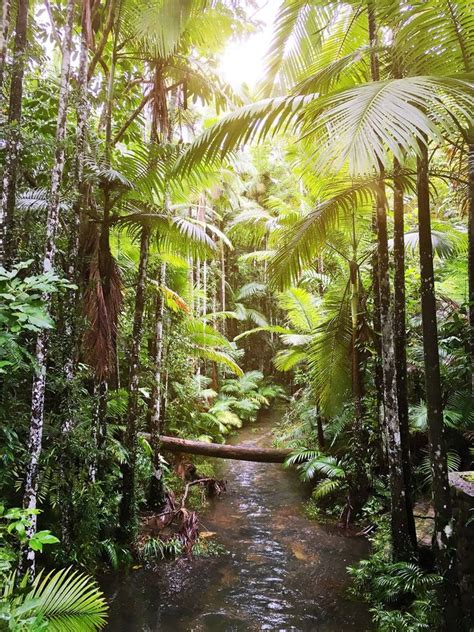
[311, 463]
[64, 599]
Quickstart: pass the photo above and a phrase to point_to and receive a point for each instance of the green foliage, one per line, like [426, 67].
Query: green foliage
[402, 596]
[23, 311]
[257, 266]
[157, 549]
[14, 534]
[208, 547]
[311, 463]
[60, 600]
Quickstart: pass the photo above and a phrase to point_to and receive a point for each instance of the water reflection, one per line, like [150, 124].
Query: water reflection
[283, 572]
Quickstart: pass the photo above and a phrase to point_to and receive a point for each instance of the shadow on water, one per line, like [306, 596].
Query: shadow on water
[283, 571]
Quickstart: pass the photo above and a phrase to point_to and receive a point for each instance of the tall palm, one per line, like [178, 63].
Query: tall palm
[167, 48]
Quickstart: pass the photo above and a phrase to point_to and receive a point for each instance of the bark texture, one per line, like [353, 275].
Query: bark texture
[4, 28]
[222, 451]
[7, 208]
[401, 543]
[399, 323]
[443, 535]
[52, 220]
[156, 486]
[128, 504]
[470, 158]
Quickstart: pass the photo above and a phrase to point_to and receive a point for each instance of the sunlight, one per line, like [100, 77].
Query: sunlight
[243, 62]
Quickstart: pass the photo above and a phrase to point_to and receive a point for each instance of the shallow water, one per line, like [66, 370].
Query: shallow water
[283, 571]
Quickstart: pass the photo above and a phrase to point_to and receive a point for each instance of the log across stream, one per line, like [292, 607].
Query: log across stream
[224, 451]
[282, 570]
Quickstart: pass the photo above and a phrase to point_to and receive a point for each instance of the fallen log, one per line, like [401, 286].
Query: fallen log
[222, 450]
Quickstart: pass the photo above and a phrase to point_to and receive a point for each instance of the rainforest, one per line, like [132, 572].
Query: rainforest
[236, 315]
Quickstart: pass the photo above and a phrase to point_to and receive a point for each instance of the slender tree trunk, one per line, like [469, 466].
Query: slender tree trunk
[399, 323]
[7, 208]
[378, 375]
[191, 283]
[128, 509]
[165, 390]
[320, 431]
[4, 27]
[70, 312]
[52, 222]
[99, 431]
[401, 543]
[73, 249]
[156, 486]
[443, 535]
[359, 486]
[101, 378]
[402, 548]
[470, 167]
[377, 318]
[223, 282]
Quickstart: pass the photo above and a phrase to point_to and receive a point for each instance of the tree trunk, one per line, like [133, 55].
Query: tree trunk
[12, 152]
[399, 323]
[378, 376]
[52, 222]
[359, 489]
[401, 543]
[73, 249]
[470, 166]
[71, 301]
[156, 486]
[128, 509]
[98, 426]
[320, 431]
[4, 27]
[223, 282]
[222, 451]
[443, 540]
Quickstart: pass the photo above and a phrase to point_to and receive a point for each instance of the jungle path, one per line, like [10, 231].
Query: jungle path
[283, 571]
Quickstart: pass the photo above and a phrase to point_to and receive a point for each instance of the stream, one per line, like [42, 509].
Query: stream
[282, 571]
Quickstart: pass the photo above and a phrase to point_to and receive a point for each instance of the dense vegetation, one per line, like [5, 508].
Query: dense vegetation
[176, 255]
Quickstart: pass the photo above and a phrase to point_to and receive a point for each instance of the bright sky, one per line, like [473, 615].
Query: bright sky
[243, 62]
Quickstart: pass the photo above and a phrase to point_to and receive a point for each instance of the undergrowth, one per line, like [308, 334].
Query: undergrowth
[402, 596]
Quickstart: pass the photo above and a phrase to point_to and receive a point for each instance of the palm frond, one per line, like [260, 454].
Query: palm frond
[68, 599]
[214, 355]
[287, 359]
[301, 307]
[250, 290]
[300, 243]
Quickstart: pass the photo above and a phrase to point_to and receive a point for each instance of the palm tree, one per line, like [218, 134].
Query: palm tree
[441, 493]
[453, 22]
[167, 49]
